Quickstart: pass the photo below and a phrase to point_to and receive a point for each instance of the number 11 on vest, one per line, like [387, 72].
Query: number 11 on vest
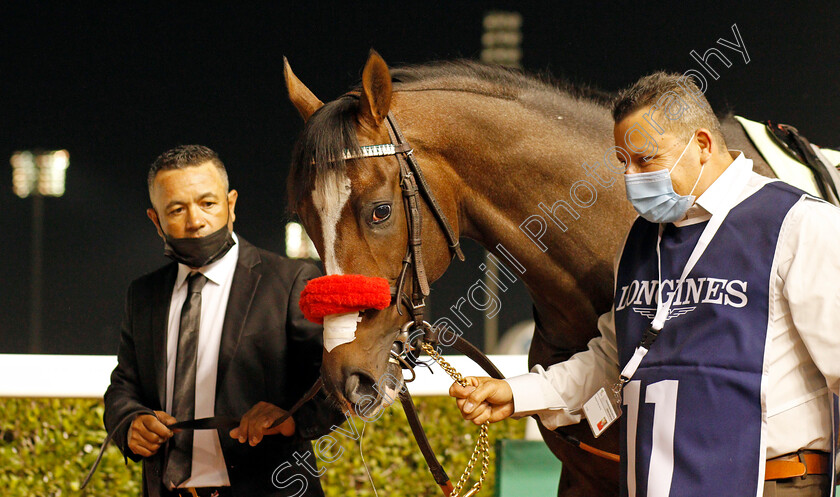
[663, 395]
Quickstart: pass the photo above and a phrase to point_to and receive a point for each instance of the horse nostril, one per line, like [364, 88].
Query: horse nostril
[358, 386]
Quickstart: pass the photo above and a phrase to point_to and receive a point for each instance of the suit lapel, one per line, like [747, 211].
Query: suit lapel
[160, 323]
[242, 291]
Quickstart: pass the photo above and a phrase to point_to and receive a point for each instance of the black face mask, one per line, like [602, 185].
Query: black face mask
[199, 252]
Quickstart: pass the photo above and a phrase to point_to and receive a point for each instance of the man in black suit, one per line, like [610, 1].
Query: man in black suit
[219, 333]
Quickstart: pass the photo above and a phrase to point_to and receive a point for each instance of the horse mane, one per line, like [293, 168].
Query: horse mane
[487, 79]
[331, 129]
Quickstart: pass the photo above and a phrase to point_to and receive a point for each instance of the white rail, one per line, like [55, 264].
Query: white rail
[87, 376]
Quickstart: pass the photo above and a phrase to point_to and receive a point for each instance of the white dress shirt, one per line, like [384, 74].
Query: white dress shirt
[802, 357]
[208, 463]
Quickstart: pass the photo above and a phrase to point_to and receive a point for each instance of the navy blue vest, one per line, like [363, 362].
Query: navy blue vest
[696, 398]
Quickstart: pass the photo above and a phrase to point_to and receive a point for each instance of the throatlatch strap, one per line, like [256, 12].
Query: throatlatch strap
[454, 244]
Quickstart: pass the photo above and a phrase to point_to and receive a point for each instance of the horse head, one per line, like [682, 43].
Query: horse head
[351, 200]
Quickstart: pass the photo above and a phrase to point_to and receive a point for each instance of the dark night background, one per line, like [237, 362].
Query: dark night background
[117, 85]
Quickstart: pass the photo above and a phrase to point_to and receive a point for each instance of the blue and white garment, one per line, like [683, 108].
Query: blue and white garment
[693, 413]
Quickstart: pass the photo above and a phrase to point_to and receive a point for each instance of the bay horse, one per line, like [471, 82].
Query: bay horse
[522, 166]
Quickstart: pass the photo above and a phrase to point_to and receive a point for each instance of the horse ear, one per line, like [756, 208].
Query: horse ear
[375, 100]
[303, 99]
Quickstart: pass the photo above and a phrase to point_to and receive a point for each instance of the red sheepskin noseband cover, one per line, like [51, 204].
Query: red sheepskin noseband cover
[343, 293]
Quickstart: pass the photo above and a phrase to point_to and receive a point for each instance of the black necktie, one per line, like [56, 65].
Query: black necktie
[179, 459]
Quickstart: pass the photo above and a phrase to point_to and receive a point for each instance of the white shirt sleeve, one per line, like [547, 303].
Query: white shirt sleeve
[809, 265]
[557, 394]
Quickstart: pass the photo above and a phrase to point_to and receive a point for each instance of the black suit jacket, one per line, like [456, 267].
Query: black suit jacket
[269, 352]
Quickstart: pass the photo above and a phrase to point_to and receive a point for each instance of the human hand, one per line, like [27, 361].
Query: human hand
[483, 399]
[255, 423]
[147, 433]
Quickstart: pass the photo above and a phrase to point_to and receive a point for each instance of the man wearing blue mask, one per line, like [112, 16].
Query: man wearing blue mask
[719, 355]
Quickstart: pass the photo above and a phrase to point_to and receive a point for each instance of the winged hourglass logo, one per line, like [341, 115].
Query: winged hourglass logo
[650, 312]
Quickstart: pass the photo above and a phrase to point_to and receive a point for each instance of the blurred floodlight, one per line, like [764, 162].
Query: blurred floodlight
[298, 243]
[24, 173]
[502, 39]
[41, 173]
[498, 20]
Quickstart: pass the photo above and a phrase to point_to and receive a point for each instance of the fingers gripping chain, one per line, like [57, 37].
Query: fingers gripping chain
[482, 446]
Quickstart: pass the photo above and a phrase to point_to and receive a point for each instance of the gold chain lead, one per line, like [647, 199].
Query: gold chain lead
[482, 446]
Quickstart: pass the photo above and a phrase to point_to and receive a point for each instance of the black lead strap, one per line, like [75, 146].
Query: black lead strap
[214, 423]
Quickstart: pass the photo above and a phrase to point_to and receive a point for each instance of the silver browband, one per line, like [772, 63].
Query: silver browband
[371, 151]
[381, 150]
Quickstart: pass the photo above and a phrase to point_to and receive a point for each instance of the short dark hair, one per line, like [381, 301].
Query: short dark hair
[185, 156]
[647, 91]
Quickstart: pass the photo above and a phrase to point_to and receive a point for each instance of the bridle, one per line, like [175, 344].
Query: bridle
[414, 189]
[415, 331]
[414, 186]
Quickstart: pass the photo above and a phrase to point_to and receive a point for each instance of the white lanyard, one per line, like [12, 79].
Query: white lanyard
[663, 308]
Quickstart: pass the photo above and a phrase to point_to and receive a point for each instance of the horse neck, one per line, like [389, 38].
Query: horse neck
[509, 163]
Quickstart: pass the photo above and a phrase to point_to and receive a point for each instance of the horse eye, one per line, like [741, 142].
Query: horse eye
[381, 213]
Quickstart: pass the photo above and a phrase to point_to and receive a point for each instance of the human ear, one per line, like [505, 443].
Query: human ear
[231, 197]
[708, 144]
[154, 217]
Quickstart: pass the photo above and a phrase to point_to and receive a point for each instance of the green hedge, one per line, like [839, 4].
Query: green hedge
[48, 445]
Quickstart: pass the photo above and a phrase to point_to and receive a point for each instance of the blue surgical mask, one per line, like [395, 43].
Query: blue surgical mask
[652, 194]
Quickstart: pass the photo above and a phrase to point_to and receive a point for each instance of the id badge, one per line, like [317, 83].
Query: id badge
[601, 412]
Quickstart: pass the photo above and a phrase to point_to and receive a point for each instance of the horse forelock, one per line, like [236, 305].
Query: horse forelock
[319, 150]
